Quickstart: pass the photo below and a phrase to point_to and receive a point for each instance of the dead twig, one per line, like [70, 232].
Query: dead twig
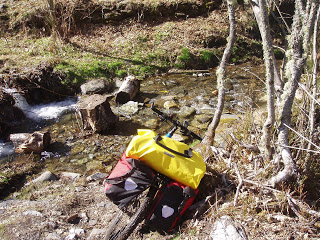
[302, 206]
[239, 185]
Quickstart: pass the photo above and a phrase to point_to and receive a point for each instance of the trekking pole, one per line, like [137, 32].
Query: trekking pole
[184, 127]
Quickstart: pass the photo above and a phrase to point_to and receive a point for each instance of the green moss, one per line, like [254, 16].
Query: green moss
[78, 72]
[206, 56]
[185, 55]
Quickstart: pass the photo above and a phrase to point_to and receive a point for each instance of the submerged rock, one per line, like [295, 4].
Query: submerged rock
[129, 108]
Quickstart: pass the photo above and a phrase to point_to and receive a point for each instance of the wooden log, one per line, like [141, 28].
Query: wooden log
[96, 113]
[128, 90]
[30, 142]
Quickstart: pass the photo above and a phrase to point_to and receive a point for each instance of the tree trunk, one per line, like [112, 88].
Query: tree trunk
[260, 9]
[314, 91]
[128, 90]
[96, 113]
[263, 24]
[297, 55]
[221, 72]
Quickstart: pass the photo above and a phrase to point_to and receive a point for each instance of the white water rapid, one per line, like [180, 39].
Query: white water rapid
[37, 113]
[42, 111]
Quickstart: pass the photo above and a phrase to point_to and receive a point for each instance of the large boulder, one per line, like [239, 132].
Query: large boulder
[98, 86]
[96, 113]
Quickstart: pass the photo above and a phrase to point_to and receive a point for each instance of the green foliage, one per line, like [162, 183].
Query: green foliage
[206, 56]
[183, 58]
[4, 179]
[78, 72]
[185, 55]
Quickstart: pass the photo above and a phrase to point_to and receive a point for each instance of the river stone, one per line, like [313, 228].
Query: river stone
[196, 124]
[170, 104]
[186, 111]
[93, 165]
[202, 118]
[46, 176]
[151, 123]
[129, 108]
[97, 176]
[95, 86]
[225, 228]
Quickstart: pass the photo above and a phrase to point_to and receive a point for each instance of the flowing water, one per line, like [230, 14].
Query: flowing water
[191, 97]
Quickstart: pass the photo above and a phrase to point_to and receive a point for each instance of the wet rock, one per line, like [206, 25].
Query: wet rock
[80, 161]
[96, 113]
[225, 228]
[171, 104]
[98, 86]
[46, 176]
[27, 143]
[9, 114]
[128, 90]
[205, 109]
[186, 111]
[152, 123]
[97, 176]
[93, 165]
[202, 118]
[129, 108]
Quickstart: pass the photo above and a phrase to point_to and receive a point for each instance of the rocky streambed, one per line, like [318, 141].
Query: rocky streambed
[72, 204]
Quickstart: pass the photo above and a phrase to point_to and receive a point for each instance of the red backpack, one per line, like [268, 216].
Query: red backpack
[170, 205]
[128, 178]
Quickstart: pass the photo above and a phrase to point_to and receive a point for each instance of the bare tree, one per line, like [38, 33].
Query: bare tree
[221, 72]
[314, 91]
[302, 27]
[260, 9]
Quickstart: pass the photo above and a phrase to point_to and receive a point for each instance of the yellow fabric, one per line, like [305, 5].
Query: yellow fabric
[188, 171]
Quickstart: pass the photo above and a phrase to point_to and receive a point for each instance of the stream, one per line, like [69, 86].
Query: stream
[190, 97]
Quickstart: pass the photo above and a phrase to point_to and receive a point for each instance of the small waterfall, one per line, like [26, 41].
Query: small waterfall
[42, 111]
[36, 113]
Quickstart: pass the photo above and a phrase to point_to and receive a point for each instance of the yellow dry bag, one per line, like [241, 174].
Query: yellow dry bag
[167, 156]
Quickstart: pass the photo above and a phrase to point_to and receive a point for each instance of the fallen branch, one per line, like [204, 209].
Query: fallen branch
[239, 185]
